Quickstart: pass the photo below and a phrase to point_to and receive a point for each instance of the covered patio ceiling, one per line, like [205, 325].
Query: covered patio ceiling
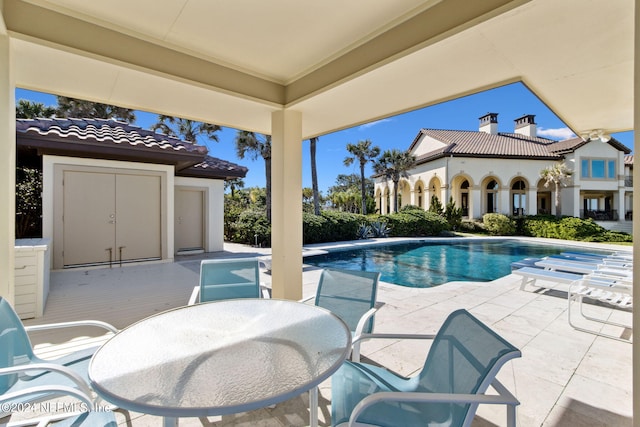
[339, 63]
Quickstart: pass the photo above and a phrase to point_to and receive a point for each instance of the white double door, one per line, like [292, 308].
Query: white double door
[111, 217]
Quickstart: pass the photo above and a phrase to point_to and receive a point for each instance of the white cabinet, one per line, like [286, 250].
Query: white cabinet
[32, 267]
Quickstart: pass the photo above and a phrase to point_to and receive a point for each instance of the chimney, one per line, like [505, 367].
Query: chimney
[526, 125]
[489, 123]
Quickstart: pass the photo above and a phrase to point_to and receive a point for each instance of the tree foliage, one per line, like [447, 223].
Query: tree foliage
[558, 174]
[188, 130]
[253, 146]
[394, 164]
[33, 110]
[363, 152]
[78, 108]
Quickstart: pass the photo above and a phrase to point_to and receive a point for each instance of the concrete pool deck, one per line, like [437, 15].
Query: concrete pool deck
[565, 377]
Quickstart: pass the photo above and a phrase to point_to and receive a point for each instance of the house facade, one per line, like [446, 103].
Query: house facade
[115, 193]
[487, 171]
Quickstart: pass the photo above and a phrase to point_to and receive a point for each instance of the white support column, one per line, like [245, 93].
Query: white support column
[7, 168]
[532, 201]
[476, 202]
[286, 204]
[621, 208]
[504, 206]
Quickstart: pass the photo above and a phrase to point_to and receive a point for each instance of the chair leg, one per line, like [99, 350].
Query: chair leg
[580, 298]
[511, 415]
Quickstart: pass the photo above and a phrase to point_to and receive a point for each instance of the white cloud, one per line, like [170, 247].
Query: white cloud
[377, 122]
[558, 133]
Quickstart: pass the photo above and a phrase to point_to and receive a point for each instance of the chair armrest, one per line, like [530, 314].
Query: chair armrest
[265, 291]
[504, 397]
[67, 372]
[195, 294]
[97, 323]
[355, 356]
[304, 300]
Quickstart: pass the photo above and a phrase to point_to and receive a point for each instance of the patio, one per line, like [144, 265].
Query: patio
[565, 377]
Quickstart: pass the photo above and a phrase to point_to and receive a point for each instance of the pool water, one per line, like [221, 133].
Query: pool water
[428, 264]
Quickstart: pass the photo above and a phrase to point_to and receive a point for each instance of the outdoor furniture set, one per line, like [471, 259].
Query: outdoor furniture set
[599, 278]
[180, 363]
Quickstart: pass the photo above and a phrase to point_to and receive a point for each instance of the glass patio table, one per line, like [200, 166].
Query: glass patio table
[220, 358]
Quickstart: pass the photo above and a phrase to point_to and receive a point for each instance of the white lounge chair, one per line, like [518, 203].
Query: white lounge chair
[617, 293]
[569, 266]
[530, 275]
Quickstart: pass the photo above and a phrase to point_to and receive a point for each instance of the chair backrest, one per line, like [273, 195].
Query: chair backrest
[15, 346]
[348, 294]
[229, 278]
[465, 357]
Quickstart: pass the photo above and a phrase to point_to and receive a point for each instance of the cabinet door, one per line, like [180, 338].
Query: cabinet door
[89, 218]
[138, 214]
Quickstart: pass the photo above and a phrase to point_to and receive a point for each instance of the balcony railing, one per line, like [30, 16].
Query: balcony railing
[610, 215]
[628, 181]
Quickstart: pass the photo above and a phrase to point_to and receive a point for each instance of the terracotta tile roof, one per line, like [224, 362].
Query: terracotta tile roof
[103, 130]
[217, 167]
[500, 145]
[112, 139]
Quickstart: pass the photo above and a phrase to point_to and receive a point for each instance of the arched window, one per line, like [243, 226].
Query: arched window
[492, 196]
[464, 197]
[519, 197]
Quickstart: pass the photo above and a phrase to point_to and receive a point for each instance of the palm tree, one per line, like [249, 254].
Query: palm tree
[394, 164]
[79, 108]
[363, 152]
[559, 174]
[249, 143]
[33, 110]
[232, 184]
[314, 176]
[186, 129]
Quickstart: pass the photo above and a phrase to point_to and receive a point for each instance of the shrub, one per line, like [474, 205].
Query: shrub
[379, 228]
[471, 226]
[416, 223]
[252, 227]
[313, 228]
[453, 214]
[498, 224]
[570, 228]
[364, 231]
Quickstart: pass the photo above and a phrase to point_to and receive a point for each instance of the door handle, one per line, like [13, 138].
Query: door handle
[120, 250]
[110, 256]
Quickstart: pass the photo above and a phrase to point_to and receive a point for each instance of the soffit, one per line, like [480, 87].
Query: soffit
[576, 56]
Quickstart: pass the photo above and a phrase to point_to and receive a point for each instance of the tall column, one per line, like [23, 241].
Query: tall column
[286, 204]
[7, 168]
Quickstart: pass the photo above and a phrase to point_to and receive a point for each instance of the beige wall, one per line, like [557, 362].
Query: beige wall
[214, 209]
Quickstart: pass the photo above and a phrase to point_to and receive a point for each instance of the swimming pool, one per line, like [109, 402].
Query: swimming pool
[428, 264]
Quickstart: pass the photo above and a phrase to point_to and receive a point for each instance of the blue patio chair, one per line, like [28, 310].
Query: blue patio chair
[463, 361]
[21, 369]
[222, 279]
[351, 295]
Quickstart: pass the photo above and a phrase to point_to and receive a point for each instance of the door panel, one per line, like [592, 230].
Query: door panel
[138, 231]
[189, 217]
[89, 217]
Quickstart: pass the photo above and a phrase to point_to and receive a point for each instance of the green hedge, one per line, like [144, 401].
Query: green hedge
[499, 224]
[415, 223]
[570, 228]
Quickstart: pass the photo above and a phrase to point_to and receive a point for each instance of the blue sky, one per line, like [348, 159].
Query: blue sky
[510, 102]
